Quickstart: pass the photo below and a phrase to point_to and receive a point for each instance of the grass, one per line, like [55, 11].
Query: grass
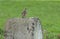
[47, 11]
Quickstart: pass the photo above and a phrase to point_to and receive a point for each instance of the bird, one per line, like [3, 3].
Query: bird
[24, 13]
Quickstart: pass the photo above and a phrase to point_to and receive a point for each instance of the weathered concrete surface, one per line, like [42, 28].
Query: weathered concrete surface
[23, 28]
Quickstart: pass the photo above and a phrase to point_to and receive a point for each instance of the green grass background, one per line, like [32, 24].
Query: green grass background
[47, 11]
